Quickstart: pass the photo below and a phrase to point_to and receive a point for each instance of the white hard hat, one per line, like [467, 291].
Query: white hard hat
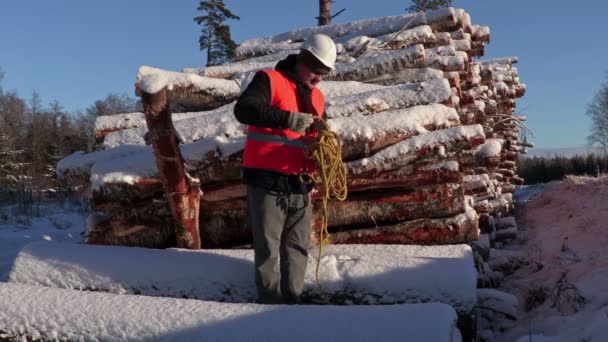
[322, 47]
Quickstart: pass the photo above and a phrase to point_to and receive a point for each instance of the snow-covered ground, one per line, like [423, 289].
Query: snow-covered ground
[51, 222]
[558, 267]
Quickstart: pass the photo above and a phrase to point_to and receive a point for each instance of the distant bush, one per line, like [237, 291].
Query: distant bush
[545, 169]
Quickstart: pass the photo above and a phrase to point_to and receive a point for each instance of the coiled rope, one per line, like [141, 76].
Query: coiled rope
[327, 152]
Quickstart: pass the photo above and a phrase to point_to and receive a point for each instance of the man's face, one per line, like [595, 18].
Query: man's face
[308, 77]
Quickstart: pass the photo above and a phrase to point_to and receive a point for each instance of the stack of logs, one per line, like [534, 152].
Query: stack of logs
[430, 138]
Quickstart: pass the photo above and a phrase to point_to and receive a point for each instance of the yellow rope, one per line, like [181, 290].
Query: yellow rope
[327, 152]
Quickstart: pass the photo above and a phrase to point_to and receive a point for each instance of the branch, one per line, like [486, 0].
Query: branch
[509, 316]
[403, 29]
[339, 12]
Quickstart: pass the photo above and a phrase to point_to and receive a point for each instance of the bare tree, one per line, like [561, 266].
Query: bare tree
[325, 16]
[597, 110]
[1, 78]
[112, 104]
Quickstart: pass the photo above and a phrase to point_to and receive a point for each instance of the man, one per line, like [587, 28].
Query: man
[279, 106]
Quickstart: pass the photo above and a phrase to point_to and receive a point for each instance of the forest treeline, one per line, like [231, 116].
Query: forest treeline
[545, 169]
[34, 136]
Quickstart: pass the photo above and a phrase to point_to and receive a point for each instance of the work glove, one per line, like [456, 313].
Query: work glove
[299, 122]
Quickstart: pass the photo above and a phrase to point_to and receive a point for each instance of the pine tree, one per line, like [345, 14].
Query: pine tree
[215, 35]
[428, 5]
[11, 170]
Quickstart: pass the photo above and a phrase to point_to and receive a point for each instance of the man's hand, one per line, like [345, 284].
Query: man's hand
[299, 122]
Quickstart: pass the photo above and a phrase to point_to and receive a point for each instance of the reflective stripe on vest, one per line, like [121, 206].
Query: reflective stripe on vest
[275, 139]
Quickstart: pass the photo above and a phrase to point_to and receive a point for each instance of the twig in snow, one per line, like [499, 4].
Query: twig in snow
[565, 290]
[508, 315]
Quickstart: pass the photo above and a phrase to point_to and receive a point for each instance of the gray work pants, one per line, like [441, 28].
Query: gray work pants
[281, 225]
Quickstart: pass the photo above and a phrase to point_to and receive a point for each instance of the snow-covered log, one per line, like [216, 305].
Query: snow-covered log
[438, 20]
[415, 75]
[76, 167]
[407, 151]
[219, 122]
[371, 67]
[393, 97]
[39, 313]
[400, 273]
[203, 92]
[110, 123]
[364, 135]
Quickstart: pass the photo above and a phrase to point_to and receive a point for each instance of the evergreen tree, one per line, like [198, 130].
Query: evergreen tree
[215, 35]
[11, 169]
[428, 5]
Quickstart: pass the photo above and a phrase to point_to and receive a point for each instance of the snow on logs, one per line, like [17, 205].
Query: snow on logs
[354, 274]
[416, 115]
[48, 314]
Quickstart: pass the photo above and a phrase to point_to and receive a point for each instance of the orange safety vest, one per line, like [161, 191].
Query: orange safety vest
[281, 150]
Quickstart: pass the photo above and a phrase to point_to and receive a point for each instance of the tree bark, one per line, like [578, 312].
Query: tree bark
[324, 12]
[182, 191]
[422, 231]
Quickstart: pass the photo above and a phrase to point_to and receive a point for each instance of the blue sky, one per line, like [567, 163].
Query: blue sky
[78, 51]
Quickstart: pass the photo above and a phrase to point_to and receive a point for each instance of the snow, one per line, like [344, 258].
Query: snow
[124, 169]
[500, 61]
[132, 168]
[189, 127]
[527, 193]
[450, 165]
[344, 31]
[415, 75]
[130, 163]
[135, 120]
[80, 162]
[491, 148]
[387, 61]
[56, 314]
[152, 80]
[409, 120]
[266, 48]
[462, 44]
[61, 223]
[225, 71]
[416, 34]
[404, 151]
[393, 97]
[119, 121]
[504, 302]
[343, 88]
[559, 265]
[372, 274]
